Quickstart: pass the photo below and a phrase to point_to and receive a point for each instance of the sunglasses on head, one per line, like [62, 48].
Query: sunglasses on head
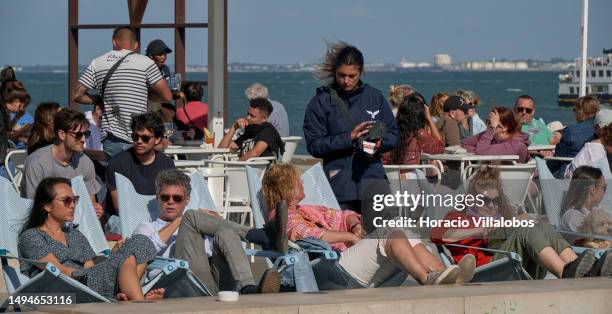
[79, 135]
[524, 109]
[144, 138]
[496, 201]
[176, 198]
[68, 201]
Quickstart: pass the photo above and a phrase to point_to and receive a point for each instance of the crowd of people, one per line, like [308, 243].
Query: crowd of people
[348, 124]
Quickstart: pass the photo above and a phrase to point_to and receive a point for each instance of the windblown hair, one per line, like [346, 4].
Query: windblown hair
[338, 54]
[42, 131]
[487, 178]
[68, 119]
[278, 183]
[469, 96]
[397, 93]
[45, 193]
[587, 107]
[256, 90]
[172, 177]
[410, 119]
[508, 119]
[437, 104]
[583, 178]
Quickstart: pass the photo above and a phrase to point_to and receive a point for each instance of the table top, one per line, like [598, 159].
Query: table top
[468, 157]
[540, 147]
[194, 150]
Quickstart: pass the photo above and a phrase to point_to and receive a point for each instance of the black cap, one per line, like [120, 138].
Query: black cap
[157, 47]
[454, 103]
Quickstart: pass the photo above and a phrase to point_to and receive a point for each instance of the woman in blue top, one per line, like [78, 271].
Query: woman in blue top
[352, 165]
[20, 122]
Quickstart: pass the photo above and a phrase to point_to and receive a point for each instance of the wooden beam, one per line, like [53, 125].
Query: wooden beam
[137, 26]
[136, 10]
[179, 37]
[73, 50]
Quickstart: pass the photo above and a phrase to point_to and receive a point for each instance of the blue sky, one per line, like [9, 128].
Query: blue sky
[288, 31]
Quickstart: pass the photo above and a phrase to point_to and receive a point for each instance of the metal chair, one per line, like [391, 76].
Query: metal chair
[13, 163]
[291, 143]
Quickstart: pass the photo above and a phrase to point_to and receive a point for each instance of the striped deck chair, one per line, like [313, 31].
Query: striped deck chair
[175, 275]
[85, 218]
[14, 211]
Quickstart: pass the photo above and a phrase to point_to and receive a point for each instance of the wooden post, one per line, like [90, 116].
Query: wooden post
[73, 49]
[179, 37]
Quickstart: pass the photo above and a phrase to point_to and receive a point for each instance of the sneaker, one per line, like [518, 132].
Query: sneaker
[269, 282]
[581, 266]
[467, 265]
[249, 289]
[443, 277]
[603, 266]
[280, 225]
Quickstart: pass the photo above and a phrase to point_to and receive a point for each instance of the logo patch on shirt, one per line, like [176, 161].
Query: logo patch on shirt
[373, 114]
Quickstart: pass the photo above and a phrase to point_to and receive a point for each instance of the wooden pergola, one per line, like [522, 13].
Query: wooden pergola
[217, 47]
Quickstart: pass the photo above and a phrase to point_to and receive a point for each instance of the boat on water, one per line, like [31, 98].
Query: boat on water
[598, 80]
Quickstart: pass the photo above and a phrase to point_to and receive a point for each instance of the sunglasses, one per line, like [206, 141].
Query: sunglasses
[79, 135]
[496, 201]
[524, 109]
[144, 138]
[68, 201]
[176, 198]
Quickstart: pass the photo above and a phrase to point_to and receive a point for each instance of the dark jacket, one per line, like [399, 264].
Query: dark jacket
[329, 138]
[574, 137]
[4, 129]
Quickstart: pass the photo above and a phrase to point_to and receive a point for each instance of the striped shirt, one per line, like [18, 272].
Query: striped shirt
[126, 92]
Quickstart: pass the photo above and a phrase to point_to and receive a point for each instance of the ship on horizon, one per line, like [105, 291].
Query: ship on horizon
[598, 81]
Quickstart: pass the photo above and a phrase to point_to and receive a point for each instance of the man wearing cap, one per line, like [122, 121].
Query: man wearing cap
[135, 81]
[158, 52]
[539, 133]
[597, 149]
[451, 123]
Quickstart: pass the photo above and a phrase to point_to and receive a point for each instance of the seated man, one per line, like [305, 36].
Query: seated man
[65, 158]
[260, 138]
[539, 133]
[202, 238]
[140, 163]
[451, 123]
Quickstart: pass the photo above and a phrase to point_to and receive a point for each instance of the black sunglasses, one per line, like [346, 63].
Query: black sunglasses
[79, 135]
[523, 109]
[145, 138]
[176, 198]
[496, 201]
[67, 201]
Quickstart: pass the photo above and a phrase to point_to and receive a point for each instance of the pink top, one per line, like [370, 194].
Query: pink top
[197, 111]
[485, 144]
[312, 220]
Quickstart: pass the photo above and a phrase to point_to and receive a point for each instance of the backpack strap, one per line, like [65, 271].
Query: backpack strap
[109, 74]
[337, 101]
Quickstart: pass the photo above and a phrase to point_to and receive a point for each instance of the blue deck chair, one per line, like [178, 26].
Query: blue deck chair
[14, 211]
[85, 218]
[507, 268]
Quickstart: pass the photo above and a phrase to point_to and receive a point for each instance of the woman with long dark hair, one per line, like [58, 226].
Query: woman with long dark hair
[585, 192]
[502, 137]
[46, 237]
[417, 132]
[349, 124]
[42, 132]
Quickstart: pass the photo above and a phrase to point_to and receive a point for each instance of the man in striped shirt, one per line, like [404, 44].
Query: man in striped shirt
[136, 80]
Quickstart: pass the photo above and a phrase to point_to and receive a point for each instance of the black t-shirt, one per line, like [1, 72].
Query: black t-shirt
[142, 176]
[261, 132]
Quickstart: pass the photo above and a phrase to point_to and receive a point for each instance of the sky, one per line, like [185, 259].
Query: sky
[291, 31]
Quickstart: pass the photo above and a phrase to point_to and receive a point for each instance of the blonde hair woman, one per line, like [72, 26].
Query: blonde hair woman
[397, 93]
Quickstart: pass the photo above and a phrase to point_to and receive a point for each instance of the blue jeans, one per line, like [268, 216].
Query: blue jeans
[113, 145]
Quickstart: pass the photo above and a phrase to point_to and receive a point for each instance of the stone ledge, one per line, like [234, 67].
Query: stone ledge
[593, 295]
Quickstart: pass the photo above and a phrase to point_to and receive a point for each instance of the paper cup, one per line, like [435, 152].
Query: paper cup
[227, 296]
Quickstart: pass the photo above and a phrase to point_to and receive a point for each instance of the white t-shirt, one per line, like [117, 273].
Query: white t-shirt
[588, 155]
[151, 230]
[94, 142]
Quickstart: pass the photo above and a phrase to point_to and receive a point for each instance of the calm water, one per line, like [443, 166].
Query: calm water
[294, 90]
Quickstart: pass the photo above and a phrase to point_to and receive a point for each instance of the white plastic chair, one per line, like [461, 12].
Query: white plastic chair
[13, 163]
[515, 180]
[237, 199]
[407, 181]
[291, 143]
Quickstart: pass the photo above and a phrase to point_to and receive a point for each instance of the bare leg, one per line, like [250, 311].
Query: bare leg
[568, 255]
[427, 258]
[129, 279]
[551, 261]
[402, 255]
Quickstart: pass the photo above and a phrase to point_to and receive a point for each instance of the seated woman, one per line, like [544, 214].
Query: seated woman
[502, 137]
[538, 246]
[418, 133]
[585, 192]
[381, 253]
[46, 237]
[42, 132]
[596, 149]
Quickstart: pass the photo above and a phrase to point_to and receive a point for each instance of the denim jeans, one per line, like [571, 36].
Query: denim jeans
[113, 145]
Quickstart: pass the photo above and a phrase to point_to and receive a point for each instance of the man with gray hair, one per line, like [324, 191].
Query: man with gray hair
[211, 244]
[278, 118]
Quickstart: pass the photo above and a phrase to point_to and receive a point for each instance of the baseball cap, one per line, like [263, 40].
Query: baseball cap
[454, 103]
[603, 118]
[556, 126]
[156, 47]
